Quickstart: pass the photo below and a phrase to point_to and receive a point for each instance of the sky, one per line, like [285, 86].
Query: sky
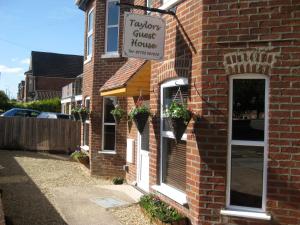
[36, 25]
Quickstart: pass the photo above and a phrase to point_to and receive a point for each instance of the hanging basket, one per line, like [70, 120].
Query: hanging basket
[76, 116]
[178, 126]
[117, 118]
[83, 116]
[140, 120]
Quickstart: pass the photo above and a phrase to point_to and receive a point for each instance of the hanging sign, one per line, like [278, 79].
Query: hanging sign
[144, 37]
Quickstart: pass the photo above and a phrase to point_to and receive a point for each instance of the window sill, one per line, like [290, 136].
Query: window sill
[110, 55]
[245, 214]
[89, 59]
[171, 193]
[170, 4]
[108, 152]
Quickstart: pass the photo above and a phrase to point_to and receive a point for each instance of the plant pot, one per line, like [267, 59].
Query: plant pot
[117, 118]
[178, 127]
[76, 116]
[140, 121]
[84, 160]
[83, 117]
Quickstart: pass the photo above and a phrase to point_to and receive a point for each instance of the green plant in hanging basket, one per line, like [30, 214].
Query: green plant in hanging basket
[75, 113]
[84, 113]
[139, 114]
[179, 116]
[118, 113]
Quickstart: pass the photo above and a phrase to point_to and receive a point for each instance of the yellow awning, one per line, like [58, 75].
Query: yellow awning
[132, 79]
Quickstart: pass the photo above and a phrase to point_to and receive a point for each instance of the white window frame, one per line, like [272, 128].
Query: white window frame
[89, 34]
[113, 53]
[248, 143]
[173, 193]
[149, 6]
[84, 146]
[108, 151]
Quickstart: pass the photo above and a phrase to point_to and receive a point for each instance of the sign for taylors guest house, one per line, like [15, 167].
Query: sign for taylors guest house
[144, 37]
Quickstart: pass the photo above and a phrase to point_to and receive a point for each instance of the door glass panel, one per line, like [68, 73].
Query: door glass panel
[145, 138]
[246, 185]
[248, 112]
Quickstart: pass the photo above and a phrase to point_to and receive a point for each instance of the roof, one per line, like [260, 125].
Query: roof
[49, 64]
[81, 4]
[120, 78]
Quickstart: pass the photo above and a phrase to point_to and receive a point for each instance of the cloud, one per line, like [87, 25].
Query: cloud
[11, 70]
[25, 61]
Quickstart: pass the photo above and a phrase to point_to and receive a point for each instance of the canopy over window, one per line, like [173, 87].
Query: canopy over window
[131, 79]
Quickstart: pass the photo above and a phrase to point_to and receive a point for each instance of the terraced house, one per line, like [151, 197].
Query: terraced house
[236, 64]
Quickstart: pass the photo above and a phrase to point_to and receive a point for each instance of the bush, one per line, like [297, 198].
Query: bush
[47, 105]
[118, 180]
[158, 209]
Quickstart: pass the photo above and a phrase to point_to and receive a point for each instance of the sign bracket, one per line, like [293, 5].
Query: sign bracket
[162, 11]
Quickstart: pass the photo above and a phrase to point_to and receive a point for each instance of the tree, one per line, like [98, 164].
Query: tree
[4, 100]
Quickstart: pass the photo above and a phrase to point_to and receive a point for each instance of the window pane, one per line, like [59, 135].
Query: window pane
[113, 13]
[246, 185]
[248, 117]
[174, 163]
[108, 106]
[169, 95]
[109, 137]
[86, 134]
[90, 45]
[87, 104]
[91, 21]
[112, 39]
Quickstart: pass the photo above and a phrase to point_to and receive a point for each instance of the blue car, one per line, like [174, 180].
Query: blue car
[17, 112]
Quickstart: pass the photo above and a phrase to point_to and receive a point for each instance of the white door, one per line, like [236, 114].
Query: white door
[143, 159]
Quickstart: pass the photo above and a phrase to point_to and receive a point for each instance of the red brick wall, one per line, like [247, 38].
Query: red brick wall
[208, 30]
[96, 73]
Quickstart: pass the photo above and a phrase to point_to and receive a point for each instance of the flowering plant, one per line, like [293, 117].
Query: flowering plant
[118, 113]
[139, 108]
[178, 111]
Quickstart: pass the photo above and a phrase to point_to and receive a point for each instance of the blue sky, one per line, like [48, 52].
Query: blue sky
[36, 25]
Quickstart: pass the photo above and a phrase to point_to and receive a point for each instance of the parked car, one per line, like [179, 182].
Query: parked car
[51, 115]
[17, 112]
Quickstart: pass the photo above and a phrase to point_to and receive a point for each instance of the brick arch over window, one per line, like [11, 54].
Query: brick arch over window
[258, 61]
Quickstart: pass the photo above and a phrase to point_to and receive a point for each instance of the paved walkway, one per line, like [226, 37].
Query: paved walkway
[50, 189]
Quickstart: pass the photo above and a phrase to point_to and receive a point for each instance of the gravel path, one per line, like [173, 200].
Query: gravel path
[28, 180]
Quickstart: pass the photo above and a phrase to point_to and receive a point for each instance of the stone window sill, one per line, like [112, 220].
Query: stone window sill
[170, 4]
[171, 193]
[107, 152]
[245, 214]
[110, 55]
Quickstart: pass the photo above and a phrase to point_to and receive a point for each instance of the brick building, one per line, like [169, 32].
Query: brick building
[237, 64]
[21, 91]
[48, 73]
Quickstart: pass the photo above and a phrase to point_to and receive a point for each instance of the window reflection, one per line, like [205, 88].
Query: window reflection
[248, 109]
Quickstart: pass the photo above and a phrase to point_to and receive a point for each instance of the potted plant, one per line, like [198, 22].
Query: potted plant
[118, 113]
[75, 113]
[83, 113]
[81, 157]
[179, 116]
[160, 212]
[139, 114]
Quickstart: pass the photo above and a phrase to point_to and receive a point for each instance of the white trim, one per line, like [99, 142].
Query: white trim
[170, 3]
[244, 210]
[89, 34]
[172, 193]
[107, 151]
[252, 215]
[110, 55]
[88, 59]
[78, 98]
[66, 100]
[110, 26]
